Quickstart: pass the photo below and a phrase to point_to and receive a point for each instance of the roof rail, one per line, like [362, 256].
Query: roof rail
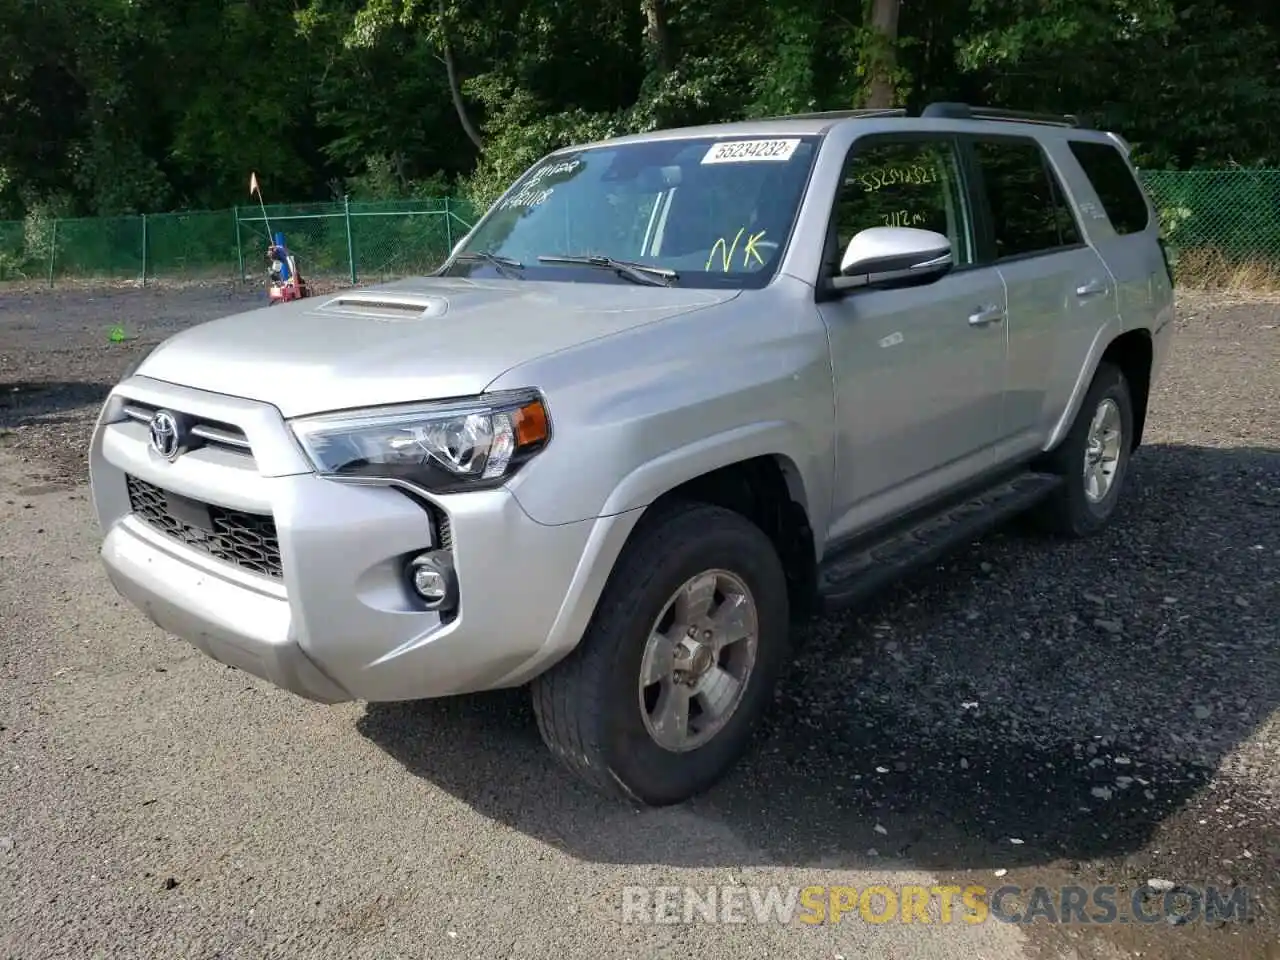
[843, 114]
[963, 111]
[1120, 142]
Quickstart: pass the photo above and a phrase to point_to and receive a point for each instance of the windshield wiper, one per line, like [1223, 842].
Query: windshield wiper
[637, 272]
[500, 263]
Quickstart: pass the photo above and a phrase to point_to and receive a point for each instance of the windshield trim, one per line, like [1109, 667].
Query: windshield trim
[546, 272]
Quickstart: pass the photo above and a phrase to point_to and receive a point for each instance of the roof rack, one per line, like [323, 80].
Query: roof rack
[948, 111]
[963, 111]
[864, 112]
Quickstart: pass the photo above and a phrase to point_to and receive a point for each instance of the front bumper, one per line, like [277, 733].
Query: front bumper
[335, 619]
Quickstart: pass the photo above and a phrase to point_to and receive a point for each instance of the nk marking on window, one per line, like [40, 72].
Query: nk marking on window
[727, 250]
[1159, 902]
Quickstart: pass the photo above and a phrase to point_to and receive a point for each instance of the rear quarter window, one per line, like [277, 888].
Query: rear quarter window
[1113, 182]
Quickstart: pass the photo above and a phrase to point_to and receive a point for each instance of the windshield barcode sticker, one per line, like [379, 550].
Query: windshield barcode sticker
[745, 151]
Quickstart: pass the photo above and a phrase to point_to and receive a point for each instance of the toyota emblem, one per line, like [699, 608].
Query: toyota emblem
[165, 438]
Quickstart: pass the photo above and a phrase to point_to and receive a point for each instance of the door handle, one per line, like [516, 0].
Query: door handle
[986, 315]
[1091, 289]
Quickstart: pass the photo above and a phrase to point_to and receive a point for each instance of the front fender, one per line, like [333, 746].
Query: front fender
[651, 480]
[635, 414]
[625, 506]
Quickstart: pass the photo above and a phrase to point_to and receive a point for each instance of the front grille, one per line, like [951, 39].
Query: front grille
[247, 540]
[203, 432]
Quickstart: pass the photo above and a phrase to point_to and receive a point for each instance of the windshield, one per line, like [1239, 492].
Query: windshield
[717, 212]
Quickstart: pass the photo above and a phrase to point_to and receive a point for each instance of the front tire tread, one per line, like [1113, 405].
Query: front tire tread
[572, 700]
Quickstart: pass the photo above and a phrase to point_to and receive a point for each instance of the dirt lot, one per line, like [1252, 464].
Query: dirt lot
[1092, 713]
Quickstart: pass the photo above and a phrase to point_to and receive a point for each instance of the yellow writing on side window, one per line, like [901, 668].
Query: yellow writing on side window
[917, 174]
[728, 249]
[904, 218]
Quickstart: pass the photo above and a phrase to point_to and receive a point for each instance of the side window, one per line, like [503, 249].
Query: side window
[1114, 184]
[1028, 210]
[907, 183]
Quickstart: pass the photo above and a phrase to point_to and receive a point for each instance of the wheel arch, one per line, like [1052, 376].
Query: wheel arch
[769, 491]
[1133, 352]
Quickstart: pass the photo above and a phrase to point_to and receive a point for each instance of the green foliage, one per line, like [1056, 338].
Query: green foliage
[1189, 82]
[522, 130]
[385, 178]
[124, 108]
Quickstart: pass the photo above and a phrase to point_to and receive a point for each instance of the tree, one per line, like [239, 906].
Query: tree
[881, 52]
[114, 107]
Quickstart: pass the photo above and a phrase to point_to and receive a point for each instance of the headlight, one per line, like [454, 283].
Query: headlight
[444, 447]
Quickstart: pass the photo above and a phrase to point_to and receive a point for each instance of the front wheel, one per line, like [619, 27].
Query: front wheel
[661, 696]
[1093, 459]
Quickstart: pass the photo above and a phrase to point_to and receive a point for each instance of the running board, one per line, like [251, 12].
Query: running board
[853, 574]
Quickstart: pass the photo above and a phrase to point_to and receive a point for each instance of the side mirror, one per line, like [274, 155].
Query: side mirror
[893, 257]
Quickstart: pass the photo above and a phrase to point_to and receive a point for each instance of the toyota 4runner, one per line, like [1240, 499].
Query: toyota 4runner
[672, 391]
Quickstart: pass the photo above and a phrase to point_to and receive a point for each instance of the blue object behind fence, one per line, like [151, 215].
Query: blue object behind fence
[284, 263]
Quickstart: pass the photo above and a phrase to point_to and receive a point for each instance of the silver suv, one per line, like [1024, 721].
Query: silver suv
[673, 391]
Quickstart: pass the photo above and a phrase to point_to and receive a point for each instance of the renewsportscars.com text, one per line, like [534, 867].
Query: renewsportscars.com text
[907, 903]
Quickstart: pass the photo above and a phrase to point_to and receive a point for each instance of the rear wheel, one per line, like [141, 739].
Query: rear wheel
[661, 696]
[1093, 459]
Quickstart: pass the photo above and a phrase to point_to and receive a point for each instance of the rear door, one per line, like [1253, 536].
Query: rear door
[1060, 293]
[1125, 231]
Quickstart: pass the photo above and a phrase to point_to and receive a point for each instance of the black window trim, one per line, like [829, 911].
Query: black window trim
[1072, 142]
[987, 240]
[968, 198]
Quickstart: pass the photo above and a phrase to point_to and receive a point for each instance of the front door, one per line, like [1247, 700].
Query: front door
[918, 371]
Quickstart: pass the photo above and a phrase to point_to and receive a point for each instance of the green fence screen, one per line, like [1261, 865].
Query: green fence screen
[342, 241]
[1220, 226]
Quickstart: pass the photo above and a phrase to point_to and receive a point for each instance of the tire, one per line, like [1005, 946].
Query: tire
[590, 706]
[1072, 511]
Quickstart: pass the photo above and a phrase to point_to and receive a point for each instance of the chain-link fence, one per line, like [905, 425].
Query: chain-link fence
[1222, 228]
[344, 241]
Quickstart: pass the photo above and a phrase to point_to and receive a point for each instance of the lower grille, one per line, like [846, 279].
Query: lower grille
[444, 530]
[247, 540]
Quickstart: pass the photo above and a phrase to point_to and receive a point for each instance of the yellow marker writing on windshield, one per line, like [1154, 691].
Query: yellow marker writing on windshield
[750, 249]
[726, 251]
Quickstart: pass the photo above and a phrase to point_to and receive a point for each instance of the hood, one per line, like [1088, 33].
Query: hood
[419, 339]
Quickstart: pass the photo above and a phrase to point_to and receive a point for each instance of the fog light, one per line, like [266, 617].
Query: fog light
[432, 579]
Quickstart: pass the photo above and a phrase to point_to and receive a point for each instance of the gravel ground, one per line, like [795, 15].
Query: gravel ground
[1027, 712]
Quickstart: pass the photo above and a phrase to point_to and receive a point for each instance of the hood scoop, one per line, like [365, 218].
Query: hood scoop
[386, 305]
